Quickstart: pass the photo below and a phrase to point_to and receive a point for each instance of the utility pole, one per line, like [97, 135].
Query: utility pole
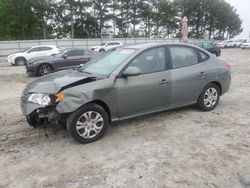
[72, 22]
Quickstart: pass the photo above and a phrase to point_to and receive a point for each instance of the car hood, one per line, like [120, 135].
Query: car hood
[97, 46]
[58, 81]
[246, 43]
[16, 54]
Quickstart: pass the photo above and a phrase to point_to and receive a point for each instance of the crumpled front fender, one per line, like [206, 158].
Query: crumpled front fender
[77, 96]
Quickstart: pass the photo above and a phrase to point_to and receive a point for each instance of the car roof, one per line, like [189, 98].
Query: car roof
[149, 45]
[112, 41]
[52, 46]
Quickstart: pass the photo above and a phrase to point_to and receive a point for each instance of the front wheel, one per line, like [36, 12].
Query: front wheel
[88, 123]
[209, 97]
[44, 69]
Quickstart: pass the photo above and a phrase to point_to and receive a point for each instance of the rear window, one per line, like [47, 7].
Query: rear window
[183, 56]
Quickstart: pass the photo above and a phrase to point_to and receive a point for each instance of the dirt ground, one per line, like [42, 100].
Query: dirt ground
[181, 148]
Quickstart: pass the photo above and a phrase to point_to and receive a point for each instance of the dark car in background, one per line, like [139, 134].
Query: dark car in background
[209, 47]
[68, 58]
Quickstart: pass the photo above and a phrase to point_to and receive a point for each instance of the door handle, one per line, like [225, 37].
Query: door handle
[202, 75]
[163, 82]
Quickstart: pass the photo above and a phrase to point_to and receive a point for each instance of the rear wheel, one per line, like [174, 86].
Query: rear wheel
[20, 61]
[88, 123]
[101, 50]
[44, 69]
[209, 97]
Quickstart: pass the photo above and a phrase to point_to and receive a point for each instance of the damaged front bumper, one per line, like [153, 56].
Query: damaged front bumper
[37, 115]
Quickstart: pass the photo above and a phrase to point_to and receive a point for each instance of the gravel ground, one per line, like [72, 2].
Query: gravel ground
[181, 148]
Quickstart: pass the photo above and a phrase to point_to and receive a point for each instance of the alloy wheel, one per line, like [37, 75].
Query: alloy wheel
[89, 124]
[210, 97]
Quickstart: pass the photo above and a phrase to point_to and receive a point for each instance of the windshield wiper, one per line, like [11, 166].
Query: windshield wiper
[80, 68]
[83, 71]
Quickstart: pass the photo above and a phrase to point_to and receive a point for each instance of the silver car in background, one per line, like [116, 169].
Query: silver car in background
[123, 83]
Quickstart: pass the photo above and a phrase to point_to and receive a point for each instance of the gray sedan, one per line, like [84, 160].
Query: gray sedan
[124, 83]
[68, 58]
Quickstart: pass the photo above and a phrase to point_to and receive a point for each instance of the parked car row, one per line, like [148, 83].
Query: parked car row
[42, 60]
[232, 43]
[213, 49]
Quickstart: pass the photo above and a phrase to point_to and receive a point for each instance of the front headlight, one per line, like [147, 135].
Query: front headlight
[41, 99]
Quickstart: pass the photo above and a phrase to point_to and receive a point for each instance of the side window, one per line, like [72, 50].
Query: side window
[45, 48]
[116, 43]
[183, 56]
[110, 44]
[207, 45]
[153, 60]
[75, 53]
[203, 56]
[37, 49]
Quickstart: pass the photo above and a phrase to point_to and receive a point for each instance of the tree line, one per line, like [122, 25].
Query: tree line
[41, 19]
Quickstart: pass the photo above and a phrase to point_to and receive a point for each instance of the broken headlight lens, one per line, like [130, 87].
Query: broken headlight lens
[41, 99]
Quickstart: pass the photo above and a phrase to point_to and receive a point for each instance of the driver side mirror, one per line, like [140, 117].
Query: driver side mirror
[131, 71]
[65, 56]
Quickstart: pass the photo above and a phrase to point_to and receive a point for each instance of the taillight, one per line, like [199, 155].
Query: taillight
[228, 65]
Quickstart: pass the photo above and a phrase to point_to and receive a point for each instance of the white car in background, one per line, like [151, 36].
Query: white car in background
[239, 42]
[222, 44]
[107, 46]
[246, 45]
[21, 57]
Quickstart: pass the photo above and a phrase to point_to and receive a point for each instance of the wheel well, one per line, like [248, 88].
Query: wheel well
[20, 57]
[218, 84]
[103, 105]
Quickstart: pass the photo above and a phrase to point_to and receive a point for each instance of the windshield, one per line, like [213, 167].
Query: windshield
[106, 63]
[102, 44]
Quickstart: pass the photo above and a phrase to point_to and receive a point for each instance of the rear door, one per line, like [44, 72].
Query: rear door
[149, 91]
[188, 74]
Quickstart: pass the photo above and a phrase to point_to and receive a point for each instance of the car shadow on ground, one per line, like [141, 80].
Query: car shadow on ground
[32, 136]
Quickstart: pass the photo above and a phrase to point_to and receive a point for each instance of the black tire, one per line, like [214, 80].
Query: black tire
[80, 116]
[32, 121]
[44, 69]
[101, 50]
[215, 53]
[208, 106]
[20, 61]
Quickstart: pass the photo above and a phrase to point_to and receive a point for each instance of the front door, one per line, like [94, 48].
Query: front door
[147, 92]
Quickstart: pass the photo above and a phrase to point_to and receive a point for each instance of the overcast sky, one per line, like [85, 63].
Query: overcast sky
[243, 9]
